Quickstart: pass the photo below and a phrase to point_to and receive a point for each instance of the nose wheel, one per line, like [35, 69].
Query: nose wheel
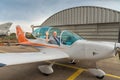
[100, 77]
[72, 62]
[97, 72]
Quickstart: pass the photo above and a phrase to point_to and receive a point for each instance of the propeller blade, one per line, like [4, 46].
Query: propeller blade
[118, 52]
[119, 56]
[116, 49]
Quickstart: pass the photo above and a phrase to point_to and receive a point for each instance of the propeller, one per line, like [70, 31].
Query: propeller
[117, 50]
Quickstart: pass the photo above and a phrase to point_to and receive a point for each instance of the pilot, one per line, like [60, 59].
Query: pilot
[54, 39]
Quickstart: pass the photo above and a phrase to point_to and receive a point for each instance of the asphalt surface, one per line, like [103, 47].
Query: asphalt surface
[61, 72]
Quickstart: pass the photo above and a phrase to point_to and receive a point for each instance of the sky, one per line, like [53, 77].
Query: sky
[33, 12]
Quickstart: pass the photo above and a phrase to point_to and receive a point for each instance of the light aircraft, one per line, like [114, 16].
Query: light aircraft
[72, 46]
[4, 28]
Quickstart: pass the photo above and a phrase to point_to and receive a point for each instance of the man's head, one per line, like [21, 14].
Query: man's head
[54, 33]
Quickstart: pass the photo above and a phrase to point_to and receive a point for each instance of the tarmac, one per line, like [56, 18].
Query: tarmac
[62, 69]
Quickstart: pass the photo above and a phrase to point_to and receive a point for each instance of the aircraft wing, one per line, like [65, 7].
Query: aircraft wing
[29, 57]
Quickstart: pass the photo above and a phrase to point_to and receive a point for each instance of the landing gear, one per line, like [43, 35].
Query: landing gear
[45, 74]
[97, 72]
[72, 62]
[100, 77]
[46, 69]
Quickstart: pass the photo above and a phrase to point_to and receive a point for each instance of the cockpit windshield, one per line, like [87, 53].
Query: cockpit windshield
[68, 38]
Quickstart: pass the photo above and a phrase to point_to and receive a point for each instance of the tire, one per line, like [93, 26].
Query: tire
[100, 77]
[45, 74]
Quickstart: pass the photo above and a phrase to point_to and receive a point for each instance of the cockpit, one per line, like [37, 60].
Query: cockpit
[65, 37]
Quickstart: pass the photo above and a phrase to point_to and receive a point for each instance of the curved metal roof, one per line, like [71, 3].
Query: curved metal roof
[83, 15]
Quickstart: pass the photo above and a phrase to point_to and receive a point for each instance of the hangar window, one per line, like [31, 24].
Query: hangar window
[68, 38]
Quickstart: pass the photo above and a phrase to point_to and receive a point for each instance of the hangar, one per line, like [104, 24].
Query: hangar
[91, 22]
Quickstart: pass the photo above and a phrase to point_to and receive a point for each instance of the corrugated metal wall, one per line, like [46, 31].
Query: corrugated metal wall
[93, 23]
[83, 15]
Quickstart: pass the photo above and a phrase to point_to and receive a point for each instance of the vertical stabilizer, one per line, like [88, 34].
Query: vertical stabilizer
[20, 35]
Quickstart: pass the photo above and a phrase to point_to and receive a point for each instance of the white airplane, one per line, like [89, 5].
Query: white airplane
[4, 28]
[71, 46]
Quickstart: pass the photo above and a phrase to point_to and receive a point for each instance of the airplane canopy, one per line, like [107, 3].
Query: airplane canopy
[65, 37]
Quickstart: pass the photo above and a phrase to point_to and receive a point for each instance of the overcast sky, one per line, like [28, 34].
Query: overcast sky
[34, 12]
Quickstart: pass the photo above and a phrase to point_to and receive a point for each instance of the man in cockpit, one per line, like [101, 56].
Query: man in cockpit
[54, 39]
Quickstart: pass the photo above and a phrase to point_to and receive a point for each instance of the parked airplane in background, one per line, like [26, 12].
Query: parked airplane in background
[4, 28]
[70, 46]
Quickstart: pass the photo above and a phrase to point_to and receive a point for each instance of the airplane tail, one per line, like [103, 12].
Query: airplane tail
[20, 35]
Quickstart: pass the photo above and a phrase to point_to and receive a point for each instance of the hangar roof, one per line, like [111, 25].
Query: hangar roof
[83, 15]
